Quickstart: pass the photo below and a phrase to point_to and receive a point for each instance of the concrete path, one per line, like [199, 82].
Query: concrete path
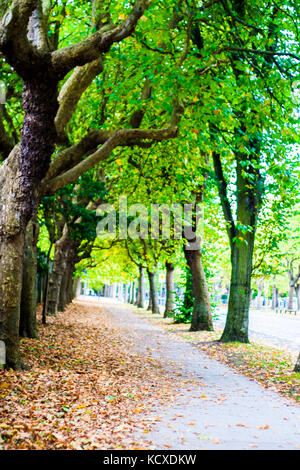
[221, 409]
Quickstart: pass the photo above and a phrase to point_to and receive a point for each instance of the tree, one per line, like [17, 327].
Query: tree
[28, 172]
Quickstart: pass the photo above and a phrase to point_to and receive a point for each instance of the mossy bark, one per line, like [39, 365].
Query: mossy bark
[201, 316]
[236, 328]
[59, 268]
[28, 321]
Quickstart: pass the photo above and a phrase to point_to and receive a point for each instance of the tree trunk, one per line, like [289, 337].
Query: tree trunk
[188, 293]
[298, 296]
[274, 297]
[141, 288]
[236, 328]
[79, 287]
[153, 292]
[120, 292]
[28, 322]
[66, 288]
[132, 289]
[170, 300]
[20, 178]
[290, 304]
[259, 294]
[297, 365]
[201, 317]
[63, 291]
[46, 292]
[11, 260]
[59, 267]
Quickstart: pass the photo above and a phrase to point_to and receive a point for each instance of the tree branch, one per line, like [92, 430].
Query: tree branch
[222, 187]
[118, 138]
[90, 49]
[14, 43]
[72, 91]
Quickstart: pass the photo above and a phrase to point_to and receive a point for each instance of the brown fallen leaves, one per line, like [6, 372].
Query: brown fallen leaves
[84, 389]
[271, 367]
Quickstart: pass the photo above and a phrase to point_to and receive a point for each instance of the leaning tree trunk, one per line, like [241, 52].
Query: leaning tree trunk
[236, 328]
[153, 292]
[297, 365]
[28, 321]
[201, 316]
[141, 288]
[170, 300]
[59, 267]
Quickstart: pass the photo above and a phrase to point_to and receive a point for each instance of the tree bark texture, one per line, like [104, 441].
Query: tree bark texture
[28, 321]
[170, 295]
[201, 316]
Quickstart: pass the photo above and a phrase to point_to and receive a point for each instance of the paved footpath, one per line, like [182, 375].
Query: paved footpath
[221, 410]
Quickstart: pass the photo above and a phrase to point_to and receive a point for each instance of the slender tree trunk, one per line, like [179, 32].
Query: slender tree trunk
[59, 267]
[290, 304]
[150, 302]
[114, 291]
[259, 294]
[63, 292]
[274, 297]
[141, 288]
[201, 317]
[236, 328]
[132, 288]
[153, 292]
[188, 293]
[170, 295]
[298, 296]
[28, 321]
[120, 291]
[66, 287]
[46, 292]
[297, 365]
[78, 288]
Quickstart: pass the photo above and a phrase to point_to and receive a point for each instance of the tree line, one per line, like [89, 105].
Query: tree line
[189, 101]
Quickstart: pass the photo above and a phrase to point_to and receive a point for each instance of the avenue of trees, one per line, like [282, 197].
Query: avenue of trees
[173, 102]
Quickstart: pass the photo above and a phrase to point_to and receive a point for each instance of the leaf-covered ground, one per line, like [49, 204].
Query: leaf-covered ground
[84, 389]
[271, 367]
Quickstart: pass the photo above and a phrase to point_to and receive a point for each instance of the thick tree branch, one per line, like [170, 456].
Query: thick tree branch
[14, 43]
[120, 137]
[91, 48]
[72, 91]
[222, 187]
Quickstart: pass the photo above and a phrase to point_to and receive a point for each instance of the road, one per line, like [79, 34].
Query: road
[279, 330]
